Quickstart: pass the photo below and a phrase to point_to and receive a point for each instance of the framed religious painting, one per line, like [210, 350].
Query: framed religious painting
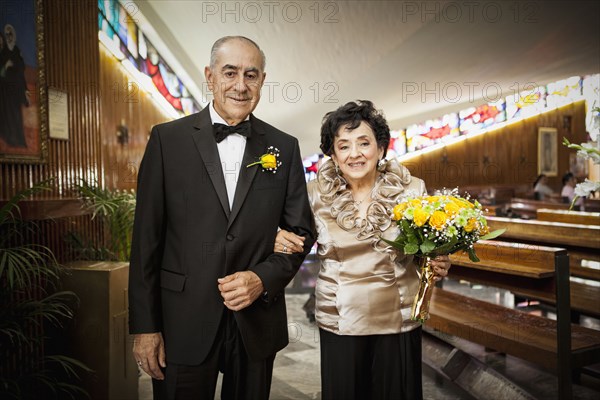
[23, 108]
[547, 151]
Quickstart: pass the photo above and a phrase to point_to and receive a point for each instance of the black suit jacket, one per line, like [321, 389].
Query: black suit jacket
[185, 237]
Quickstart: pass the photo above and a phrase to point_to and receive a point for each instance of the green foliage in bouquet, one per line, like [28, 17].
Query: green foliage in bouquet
[440, 224]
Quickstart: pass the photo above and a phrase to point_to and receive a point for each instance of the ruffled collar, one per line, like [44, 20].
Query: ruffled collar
[387, 192]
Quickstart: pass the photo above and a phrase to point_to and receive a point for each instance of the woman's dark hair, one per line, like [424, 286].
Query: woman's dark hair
[350, 115]
[567, 177]
[539, 178]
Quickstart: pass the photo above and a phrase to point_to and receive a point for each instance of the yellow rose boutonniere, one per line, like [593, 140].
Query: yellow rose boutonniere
[268, 161]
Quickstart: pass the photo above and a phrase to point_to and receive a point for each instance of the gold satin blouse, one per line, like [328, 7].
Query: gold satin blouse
[365, 287]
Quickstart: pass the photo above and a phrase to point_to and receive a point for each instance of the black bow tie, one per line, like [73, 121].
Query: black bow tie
[222, 131]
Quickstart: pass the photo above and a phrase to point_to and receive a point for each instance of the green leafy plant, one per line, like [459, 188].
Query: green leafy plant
[116, 211]
[29, 274]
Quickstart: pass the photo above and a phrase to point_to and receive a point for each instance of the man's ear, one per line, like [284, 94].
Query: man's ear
[264, 75]
[208, 75]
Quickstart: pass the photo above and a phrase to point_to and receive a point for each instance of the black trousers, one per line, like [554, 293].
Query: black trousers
[375, 367]
[243, 379]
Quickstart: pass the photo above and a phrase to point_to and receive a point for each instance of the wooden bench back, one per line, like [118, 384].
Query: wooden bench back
[592, 205]
[568, 216]
[511, 258]
[553, 233]
[528, 207]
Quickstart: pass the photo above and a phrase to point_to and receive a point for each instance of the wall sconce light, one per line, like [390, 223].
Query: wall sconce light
[122, 133]
[567, 123]
[522, 160]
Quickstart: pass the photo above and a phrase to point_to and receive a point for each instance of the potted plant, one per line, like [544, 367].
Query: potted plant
[29, 277]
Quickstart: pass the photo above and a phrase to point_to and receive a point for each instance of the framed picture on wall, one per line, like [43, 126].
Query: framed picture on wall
[548, 151]
[23, 109]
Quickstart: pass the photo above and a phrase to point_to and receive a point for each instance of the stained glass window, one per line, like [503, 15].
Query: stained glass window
[397, 146]
[115, 23]
[526, 103]
[420, 136]
[474, 119]
[564, 92]
[591, 94]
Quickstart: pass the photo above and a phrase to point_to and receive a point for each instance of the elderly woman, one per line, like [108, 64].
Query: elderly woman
[370, 348]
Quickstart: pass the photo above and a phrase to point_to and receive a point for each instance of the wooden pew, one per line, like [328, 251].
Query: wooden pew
[592, 205]
[568, 216]
[497, 193]
[585, 265]
[557, 345]
[581, 241]
[553, 233]
[527, 208]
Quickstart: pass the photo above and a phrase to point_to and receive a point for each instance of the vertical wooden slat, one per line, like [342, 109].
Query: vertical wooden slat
[72, 64]
[140, 114]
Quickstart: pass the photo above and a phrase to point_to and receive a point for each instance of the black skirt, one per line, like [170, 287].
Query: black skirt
[374, 367]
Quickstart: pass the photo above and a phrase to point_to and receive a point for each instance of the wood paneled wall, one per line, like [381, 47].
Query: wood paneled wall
[99, 97]
[71, 58]
[72, 65]
[506, 156]
[123, 102]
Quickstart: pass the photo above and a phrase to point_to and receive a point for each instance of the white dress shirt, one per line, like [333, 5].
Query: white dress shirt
[231, 153]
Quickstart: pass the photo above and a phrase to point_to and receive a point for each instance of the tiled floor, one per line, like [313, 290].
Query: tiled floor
[296, 373]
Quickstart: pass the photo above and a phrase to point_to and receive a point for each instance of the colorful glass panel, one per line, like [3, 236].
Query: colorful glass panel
[118, 26]
[526, 103]
[564, 92]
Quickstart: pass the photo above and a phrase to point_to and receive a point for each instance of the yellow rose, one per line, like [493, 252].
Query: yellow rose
[467, 203]
[415, 203]
[420, 217]
[433, 199]
[268, 161]
[438, 219]
[458, 202]
[471, 225]
[451, 208]
[398, 211]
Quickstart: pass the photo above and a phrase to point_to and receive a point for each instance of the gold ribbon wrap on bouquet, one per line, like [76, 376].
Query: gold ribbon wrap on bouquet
[420, 307]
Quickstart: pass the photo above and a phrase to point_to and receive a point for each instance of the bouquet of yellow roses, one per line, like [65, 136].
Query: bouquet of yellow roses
[437, 225]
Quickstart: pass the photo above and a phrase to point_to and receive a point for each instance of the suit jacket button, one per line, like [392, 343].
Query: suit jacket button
[230, 237]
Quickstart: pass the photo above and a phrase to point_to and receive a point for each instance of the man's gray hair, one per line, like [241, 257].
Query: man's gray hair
[225, 39]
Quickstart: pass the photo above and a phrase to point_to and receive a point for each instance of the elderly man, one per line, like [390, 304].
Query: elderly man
[206, 291]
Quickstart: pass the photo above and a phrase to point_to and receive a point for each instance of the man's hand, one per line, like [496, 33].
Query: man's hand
[239, 290]
[149, 353]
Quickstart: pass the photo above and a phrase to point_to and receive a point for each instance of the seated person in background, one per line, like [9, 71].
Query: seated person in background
[541, 191]
[568, 190]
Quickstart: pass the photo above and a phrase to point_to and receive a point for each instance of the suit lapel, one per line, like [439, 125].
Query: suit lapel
[255, 147]
[207, 147]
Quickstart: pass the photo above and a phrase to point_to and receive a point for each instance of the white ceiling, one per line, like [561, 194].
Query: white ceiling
[414, 59]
